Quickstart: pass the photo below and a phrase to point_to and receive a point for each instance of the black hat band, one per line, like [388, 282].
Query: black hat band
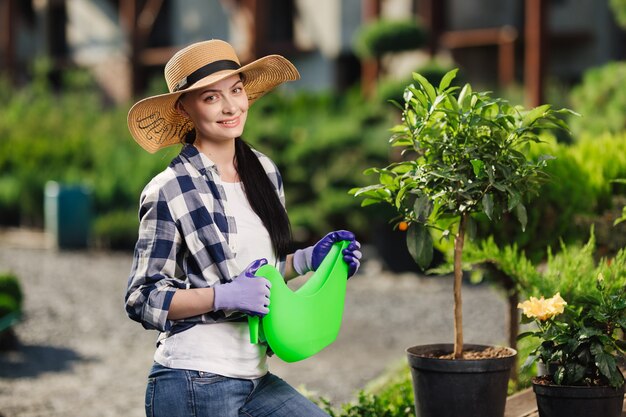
[205, 71]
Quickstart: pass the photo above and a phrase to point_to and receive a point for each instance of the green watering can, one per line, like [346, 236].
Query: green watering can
[301, 323]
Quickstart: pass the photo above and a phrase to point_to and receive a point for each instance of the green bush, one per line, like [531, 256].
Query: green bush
[116, 229]
[11, 296]
[578, 186]
[320, 142]
[383, 36]
[601, 99]
[619, 10]
[390, 395]
[70, 138]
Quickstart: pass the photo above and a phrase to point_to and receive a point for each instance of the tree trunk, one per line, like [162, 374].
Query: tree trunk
[458, 281]
[513, 299]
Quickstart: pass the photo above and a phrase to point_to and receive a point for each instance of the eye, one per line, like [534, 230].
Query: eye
[211, 98]
[237, 90]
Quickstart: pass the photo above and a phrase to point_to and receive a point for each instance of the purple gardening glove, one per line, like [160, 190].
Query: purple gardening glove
[309, 259]
[246, 292]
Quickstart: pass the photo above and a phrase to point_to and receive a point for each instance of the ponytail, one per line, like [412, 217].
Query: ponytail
[263, 197]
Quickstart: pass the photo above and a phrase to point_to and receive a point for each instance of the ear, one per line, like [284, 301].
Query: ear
[180, 108]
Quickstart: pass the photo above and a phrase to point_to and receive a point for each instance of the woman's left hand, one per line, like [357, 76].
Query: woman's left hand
[352, 255]
[310, 258]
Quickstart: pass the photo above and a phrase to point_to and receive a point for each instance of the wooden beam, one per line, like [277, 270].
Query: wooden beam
[7, 37]
[146, 18]
[503, 37]
[432, 14]
[370, 68]
[138, 18]
[156, 56]
[477, 37]
[535, 51]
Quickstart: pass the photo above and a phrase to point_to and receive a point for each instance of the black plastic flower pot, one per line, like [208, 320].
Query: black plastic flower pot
[452, 388]
[569, 401]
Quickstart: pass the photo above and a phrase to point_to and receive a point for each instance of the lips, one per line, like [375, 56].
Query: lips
[230, 122]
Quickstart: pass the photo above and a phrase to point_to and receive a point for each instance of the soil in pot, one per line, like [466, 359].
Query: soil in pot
[469, 387]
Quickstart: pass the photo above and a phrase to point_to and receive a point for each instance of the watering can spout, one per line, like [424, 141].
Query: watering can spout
[253, 325]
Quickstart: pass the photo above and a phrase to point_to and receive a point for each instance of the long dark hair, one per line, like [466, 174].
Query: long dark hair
[261, 194]
[263, 197]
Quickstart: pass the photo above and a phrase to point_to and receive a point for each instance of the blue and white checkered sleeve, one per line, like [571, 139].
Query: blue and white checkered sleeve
[153, 281]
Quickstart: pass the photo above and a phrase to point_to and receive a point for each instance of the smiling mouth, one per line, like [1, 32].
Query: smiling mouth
[232, 122]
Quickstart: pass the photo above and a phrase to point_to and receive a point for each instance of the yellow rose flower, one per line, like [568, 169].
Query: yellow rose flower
[543, 309]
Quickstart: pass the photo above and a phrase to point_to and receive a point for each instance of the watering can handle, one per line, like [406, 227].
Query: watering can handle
[253, 325]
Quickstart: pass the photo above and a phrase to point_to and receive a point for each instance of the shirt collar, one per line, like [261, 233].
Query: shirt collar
[197, 159]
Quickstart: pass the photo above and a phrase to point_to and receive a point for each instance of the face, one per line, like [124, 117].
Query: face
[218, 111]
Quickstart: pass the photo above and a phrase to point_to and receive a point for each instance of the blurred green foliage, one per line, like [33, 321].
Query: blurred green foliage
[11, 296]
[579, 185]
[321, 143]
[70, 138]
[601, 99]
[619, 10]
[382, 36]
[389, 395]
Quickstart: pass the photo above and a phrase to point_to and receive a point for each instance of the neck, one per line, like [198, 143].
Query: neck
[222, 154]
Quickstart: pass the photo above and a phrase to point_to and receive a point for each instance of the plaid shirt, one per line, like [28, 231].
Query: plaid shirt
[186, 240]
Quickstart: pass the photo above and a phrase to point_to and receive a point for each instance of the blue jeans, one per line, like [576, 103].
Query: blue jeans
[184, 393]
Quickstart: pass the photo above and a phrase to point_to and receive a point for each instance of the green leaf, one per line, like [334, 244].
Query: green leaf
[367, 189]
[386, 178]
[465, 92]
[574, 372]
[428, 87]
[524, 335]
[559, 375]
[535, 114]
[478, 166]
[605, 362]
[422, 207]
[488, 205]
[522, 216]
[370, 171]
[447, 79]
[528, 362]
[514, 200]
[420, 244]
[370, 201]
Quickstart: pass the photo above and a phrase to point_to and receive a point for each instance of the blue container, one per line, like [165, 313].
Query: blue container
[67, 214]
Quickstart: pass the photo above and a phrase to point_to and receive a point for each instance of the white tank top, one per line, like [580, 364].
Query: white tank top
[225, 348]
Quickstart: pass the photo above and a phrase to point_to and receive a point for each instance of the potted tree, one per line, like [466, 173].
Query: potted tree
[463, 157]
[578, 333]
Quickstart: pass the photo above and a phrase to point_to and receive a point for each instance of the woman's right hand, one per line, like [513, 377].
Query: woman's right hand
[246, 293]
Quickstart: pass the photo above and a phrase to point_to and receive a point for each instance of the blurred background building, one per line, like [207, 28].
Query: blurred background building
[126, 43]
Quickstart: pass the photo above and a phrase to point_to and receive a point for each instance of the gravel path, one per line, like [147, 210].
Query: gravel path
[79, 354]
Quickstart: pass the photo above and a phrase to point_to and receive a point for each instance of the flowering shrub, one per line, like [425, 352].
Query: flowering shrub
[579, 341]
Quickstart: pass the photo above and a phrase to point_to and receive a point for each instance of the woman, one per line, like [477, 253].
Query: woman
[207, 223]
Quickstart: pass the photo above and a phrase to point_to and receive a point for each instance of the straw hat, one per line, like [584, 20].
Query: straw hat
[154, 121]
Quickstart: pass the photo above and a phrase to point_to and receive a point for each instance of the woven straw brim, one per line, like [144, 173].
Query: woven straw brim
[155, 124]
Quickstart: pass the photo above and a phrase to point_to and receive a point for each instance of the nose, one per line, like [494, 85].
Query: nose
[230, 105]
